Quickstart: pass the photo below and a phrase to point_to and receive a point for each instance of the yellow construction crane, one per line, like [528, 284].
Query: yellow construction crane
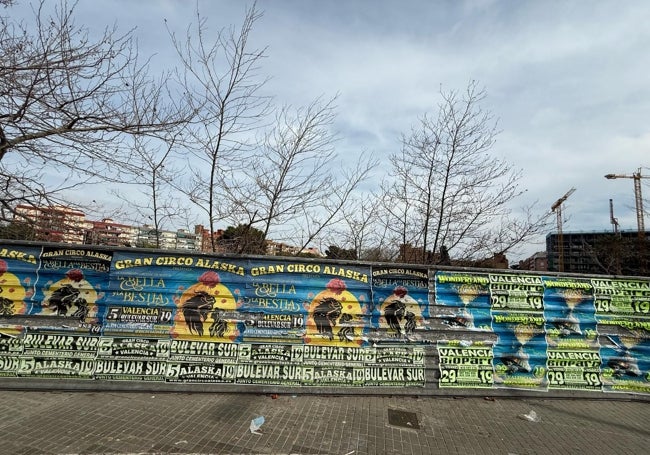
[557, 208]
[637, 196]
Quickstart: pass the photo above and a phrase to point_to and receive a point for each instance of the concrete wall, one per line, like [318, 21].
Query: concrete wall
[94, 318]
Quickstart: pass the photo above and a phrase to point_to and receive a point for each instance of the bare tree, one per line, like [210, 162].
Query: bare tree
[68, 103]
[293, 188]
[397, 205]
[219, 73]
[291, 172]
[317, 220]
[363, 229]
[450, 189]
[154, 176]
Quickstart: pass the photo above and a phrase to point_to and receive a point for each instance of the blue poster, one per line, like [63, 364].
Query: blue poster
[520, 350]
[72, 283]
[569, 311]
[186, 296]
[18, 274]
[626, 362]
[462, 301]
[401, 304]
[309, 302]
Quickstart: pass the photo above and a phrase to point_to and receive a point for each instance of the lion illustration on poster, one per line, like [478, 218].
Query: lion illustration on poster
[332, 316]
[400, 313]
[71, 296]
[202, 309]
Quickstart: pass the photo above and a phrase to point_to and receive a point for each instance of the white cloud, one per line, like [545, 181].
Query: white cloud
[568, 80]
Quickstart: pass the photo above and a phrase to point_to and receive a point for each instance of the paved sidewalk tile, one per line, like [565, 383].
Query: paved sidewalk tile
[34, 422]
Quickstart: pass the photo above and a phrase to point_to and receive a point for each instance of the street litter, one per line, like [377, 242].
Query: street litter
[531, 417]
[256, 423]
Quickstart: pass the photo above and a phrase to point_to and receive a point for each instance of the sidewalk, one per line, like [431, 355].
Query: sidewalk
[182, 423]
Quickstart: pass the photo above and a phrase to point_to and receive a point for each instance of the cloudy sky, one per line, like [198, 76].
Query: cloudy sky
[568, 80]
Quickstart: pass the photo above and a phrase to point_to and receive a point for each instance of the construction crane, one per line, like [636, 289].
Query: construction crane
[612, 219]
[637, 196]
[557, 208]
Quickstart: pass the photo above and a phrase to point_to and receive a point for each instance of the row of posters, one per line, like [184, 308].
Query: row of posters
[536, 327]
[226, 300]
[55, 355]
[549, 332]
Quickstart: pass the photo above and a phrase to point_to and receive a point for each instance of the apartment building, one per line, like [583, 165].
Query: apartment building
[54, 223]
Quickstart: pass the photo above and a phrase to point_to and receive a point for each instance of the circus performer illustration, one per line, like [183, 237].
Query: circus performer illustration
[203, 307]
[333, 315]
[71, 296]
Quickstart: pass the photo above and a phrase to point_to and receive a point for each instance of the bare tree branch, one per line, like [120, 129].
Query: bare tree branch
[220, 78]
[69, 102]
[450, 190]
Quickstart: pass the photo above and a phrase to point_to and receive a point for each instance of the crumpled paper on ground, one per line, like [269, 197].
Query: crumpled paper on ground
[256, 424]
[531, 417]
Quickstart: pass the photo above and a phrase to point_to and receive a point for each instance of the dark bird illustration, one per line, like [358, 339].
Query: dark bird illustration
[6, 307]
[64, 298]
[569, 326]
[82, 310]
[462, 318]
[516, 363]
[326, 314]
[624, 365]
[394, 313]
[196, 309]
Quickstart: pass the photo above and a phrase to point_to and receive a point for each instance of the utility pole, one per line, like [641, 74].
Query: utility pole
[557, 208]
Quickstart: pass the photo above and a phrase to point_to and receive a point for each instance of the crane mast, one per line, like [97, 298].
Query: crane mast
[557, 208]
[638, 198]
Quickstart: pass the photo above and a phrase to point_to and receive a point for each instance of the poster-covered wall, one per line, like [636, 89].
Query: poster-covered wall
[97, 314]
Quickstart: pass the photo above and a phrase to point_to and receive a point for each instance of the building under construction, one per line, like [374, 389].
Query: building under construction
[619, 253]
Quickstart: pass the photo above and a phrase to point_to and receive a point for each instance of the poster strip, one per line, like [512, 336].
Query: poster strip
[72, 282]
[465, 364]
[462, 301]
[18, 276]
[401, 307]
